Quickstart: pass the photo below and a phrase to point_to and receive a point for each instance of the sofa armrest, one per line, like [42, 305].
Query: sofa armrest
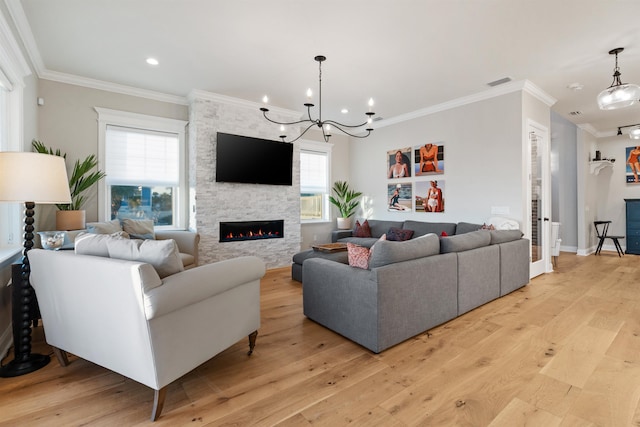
[197, 284]
[340, 234]
[187, 241]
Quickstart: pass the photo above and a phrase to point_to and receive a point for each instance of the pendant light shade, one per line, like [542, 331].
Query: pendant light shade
[618, 95]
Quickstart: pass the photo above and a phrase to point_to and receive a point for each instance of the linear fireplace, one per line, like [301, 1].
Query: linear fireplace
[251, 230]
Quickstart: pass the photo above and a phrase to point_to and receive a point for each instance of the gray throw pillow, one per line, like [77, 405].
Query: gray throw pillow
[108, 227]
[465, 242]
[502, 236]
[388, 252]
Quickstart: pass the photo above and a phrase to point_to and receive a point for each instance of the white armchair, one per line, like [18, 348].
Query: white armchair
[121, 315]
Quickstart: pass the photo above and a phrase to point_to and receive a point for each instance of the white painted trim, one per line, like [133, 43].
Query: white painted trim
[523, 85]
[106, 117]
[111, 87]
[9, 49]
[229, 100]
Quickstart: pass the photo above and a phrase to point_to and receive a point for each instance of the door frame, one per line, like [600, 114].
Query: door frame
[544, 265]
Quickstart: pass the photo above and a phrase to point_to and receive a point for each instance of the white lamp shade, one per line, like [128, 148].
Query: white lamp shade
[619, 96]
[33, 177]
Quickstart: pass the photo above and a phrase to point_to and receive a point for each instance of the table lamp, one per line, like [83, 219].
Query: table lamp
[30, 178]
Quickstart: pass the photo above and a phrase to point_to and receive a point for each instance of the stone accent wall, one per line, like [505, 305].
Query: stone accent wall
[215, 202]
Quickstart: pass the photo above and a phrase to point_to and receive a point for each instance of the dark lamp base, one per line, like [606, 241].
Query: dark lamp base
[17, 367]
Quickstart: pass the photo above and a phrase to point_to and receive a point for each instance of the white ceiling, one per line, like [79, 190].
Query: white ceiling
[406, 54]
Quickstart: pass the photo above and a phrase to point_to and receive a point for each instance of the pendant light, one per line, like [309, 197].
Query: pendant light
[618, 95]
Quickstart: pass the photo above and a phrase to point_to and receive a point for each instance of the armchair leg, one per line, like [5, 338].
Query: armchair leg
[252, 341]
[158, 402]
[61, 355]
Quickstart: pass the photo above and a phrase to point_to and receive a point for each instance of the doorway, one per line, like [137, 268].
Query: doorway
[539, 198]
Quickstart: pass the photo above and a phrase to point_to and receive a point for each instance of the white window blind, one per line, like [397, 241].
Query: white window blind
[141, 156]
[313, 172]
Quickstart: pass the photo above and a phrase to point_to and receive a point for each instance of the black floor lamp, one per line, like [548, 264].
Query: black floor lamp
[30, 178]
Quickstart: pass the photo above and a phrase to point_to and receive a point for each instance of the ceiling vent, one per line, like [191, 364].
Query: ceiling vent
[575, 113]
[499, 81]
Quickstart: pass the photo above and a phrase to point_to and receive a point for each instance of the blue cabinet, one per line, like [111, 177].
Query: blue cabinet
[633, 226]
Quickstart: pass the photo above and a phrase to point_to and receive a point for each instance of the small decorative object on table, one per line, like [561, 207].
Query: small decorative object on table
[52, 239]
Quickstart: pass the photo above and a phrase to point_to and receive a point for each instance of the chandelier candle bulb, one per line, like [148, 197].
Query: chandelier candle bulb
[265, 99]
[309, 94]
[370, 104]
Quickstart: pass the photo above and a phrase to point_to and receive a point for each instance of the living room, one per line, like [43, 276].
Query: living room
[484, 135]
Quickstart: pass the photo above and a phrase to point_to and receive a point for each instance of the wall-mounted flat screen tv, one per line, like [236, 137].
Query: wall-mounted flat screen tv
[252, 160]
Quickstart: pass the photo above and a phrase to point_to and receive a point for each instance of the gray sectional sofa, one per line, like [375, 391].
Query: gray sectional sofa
[414, 285]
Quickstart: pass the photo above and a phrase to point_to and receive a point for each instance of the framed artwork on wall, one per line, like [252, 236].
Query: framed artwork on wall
[632, 174]
[399, 197]
[428, 159]
[429, 196]
[399, 163]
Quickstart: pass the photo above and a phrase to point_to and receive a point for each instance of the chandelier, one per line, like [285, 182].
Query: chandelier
[618, 95]
[325, 125]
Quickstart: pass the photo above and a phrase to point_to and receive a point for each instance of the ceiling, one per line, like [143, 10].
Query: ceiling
[406, 54]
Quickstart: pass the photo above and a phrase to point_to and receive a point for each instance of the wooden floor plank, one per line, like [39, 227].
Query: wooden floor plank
[564, 350]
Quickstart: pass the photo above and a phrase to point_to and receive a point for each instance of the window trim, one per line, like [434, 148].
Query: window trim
[145, 122]
[325, 148]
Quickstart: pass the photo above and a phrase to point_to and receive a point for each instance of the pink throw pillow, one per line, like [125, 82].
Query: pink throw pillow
[358, 256]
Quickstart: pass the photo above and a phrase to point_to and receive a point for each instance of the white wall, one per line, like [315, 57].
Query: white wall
[564, 180]
[587, 193]
[611, 187]
[483, 160]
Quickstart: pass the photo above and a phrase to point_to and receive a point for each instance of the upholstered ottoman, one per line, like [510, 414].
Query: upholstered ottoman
[300, 257]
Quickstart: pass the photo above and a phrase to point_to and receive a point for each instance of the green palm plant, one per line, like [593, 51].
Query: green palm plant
[82, 177]
[346, 199]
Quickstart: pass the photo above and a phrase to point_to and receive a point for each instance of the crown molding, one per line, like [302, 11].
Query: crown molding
[522, 85]
[112, 87]
[11, 53]
[26, 35]
[588, 128]
[224, 99]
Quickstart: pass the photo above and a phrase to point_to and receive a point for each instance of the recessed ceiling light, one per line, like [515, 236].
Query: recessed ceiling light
[152, 61]
[576, 86]
[344, 110]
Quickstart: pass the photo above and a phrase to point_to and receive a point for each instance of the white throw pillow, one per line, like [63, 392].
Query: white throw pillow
[139, 228]
[96, 244]
[108, 227]
[163, 255]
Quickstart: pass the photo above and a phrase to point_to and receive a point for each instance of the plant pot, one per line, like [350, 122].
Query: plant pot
[344, 223]
[70, 220]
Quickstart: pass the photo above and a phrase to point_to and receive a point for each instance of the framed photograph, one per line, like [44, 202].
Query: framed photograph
[428, 159]
[399, 163]
[429, 196]
[632, 174]
[399, 197]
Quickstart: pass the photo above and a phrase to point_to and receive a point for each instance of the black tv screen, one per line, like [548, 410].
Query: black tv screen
[252, 160]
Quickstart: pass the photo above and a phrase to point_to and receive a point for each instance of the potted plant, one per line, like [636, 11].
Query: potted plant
[346, 201]
[71, 216]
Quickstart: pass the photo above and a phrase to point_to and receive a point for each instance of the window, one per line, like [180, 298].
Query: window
[143, 158]
[315, 160]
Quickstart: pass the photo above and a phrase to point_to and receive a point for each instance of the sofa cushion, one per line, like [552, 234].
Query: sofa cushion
[108, 227]
[421, 228]
[163, 255]
[503, 236]
[389, 252]
[399, 234]
[466, 227]
[465, 242]
[96, 244]
[139, 228]
[362, 230]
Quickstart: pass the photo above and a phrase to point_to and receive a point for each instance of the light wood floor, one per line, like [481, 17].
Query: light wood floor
[563, 351]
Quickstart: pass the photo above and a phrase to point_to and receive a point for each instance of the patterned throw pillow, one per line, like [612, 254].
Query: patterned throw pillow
[362, 230]
[358, 256]
[399, 234]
